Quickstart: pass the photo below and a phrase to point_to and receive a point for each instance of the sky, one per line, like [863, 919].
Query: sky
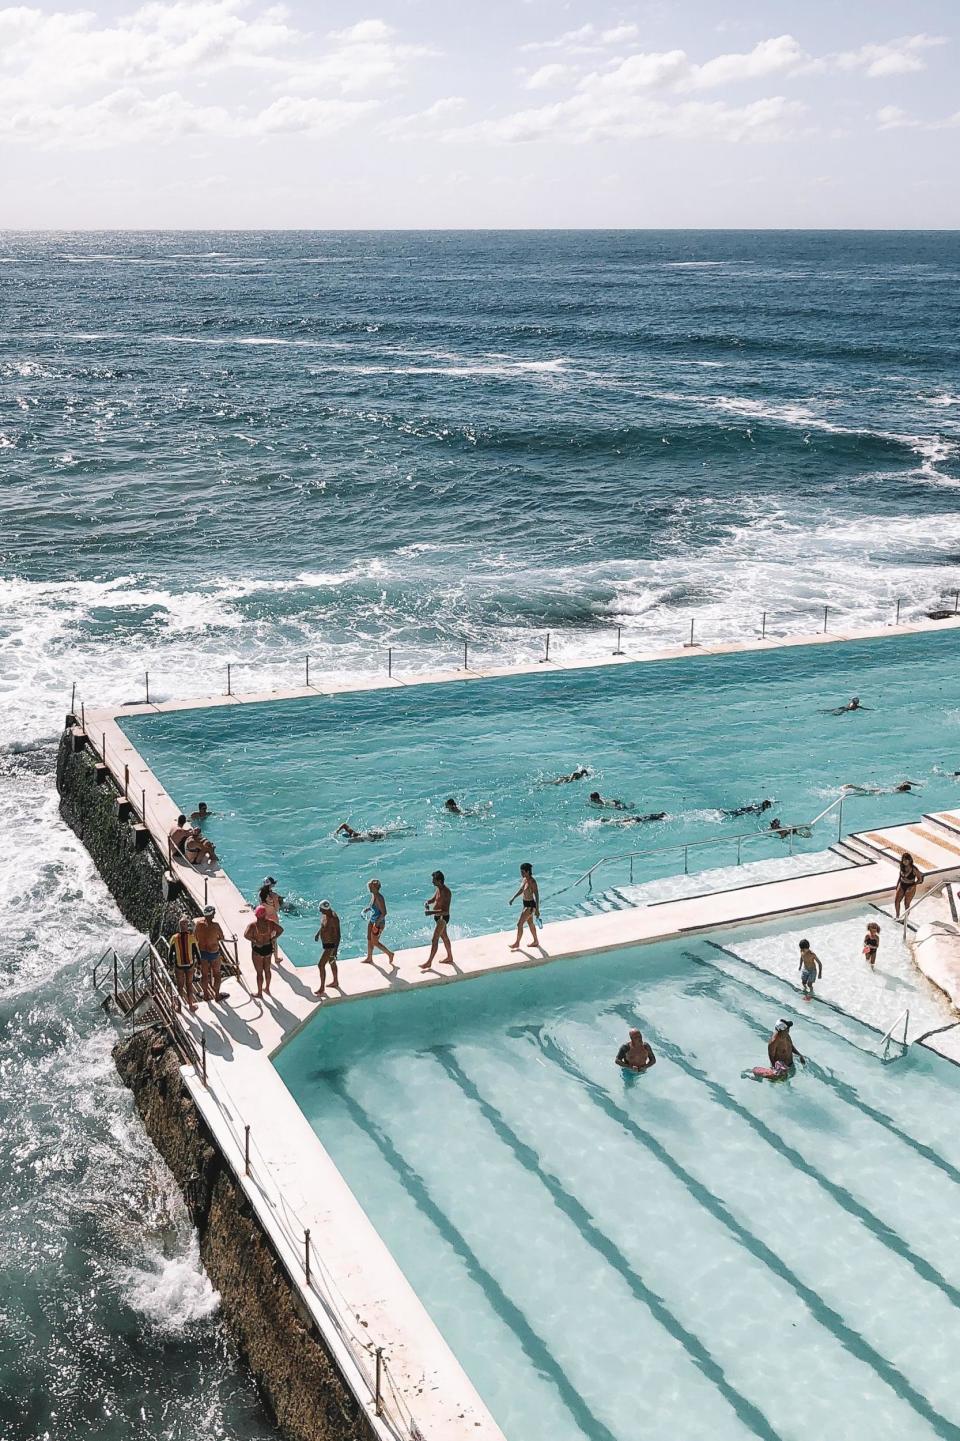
[223, 114]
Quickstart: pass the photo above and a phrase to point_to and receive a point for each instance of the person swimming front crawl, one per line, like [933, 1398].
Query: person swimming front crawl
[755, 808]
[633, 820]
[575, 775]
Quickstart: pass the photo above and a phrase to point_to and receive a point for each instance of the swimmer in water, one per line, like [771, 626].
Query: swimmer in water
[636, 1054]
[454, 808]
[785, 831]
[898, 789]
[606, 803]
[375, 833]
[579, 774]
[780, 1048]
[852, 704]
[633, 820]
[755, 808]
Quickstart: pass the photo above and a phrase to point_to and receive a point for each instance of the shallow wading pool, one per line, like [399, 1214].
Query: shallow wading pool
[723, 1257]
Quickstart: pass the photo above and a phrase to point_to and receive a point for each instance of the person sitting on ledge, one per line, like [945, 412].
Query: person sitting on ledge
[201, 814]
[198, 851]
[635, 1054]
[179, 833]
[607, 802]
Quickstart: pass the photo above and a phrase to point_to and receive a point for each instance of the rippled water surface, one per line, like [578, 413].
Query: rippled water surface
[248, 447]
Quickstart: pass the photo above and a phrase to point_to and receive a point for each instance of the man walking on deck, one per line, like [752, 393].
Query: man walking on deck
[329, 937]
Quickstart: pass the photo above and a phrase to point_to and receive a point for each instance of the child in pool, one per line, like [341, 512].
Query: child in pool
[871, 943]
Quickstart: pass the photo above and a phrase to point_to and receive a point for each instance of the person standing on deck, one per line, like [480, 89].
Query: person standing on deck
[329, 937]
[183, 950]
[378, 919]
[907, 881]
[438, 906]
[262, 934]
[530, 909]
[810, 970]
[209, 938]
[271, 902]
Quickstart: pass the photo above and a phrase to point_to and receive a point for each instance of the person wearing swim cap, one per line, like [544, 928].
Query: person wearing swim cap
[209, 938]
[781, 1050]
[635, 1054]
[329, 937]
[262, 934]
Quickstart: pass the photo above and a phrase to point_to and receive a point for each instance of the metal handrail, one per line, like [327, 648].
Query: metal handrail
[687, 846]
[886, 1038]
[943, 885]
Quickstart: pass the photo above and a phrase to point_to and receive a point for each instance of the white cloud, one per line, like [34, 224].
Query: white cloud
[549, 75]
[424, 122]
[895, 57]
[586, 117]
[891, 117]
[169, 67]
[587, 39]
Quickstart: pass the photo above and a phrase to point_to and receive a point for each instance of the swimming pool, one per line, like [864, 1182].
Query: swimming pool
[689, 1253]
[685, 737]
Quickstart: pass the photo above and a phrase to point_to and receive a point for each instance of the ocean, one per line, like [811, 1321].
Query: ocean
[247, 448]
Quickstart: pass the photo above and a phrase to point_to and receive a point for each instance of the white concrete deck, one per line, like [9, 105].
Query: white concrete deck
[294, 1185]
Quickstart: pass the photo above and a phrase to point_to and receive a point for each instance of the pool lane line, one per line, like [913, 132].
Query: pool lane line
[840, 1088]
[822, 1312]
[887, 1237]
[538, 1353]
[746, 1412]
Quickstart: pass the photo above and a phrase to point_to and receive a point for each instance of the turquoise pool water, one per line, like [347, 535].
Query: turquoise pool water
[688, 1253]
[687, 737]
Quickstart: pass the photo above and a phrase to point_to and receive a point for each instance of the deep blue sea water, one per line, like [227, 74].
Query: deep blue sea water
[247, 447]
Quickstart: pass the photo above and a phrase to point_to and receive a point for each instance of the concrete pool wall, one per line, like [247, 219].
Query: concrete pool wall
[295, 1187]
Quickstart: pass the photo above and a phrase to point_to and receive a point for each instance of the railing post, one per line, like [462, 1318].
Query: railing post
[897, 621]
[790, 838]
[631, 870]
[206, 899]
[83, 716]
[308, 669]
[103, 746]
[146, 678]
[143, 804]
[618, 651]
[116, 977]
[126, 782]
[246, 1150]
[464, 652]
[389, 660]
[906, 1023]
[73, 697]
[306, 1254]
[690, 641]
[763, 627]
[825, 620]
[686, 858]
[840, 820]
[739, 843]
[229, 690]
[377, 1395]
[203, 1055]
[546, 652]
[956, 602]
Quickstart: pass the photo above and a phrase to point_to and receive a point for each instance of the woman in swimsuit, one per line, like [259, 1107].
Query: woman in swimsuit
[183, 950]
[907, 882]
[271, 902]
[262, 934]
[378, 919]
[530, 892]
